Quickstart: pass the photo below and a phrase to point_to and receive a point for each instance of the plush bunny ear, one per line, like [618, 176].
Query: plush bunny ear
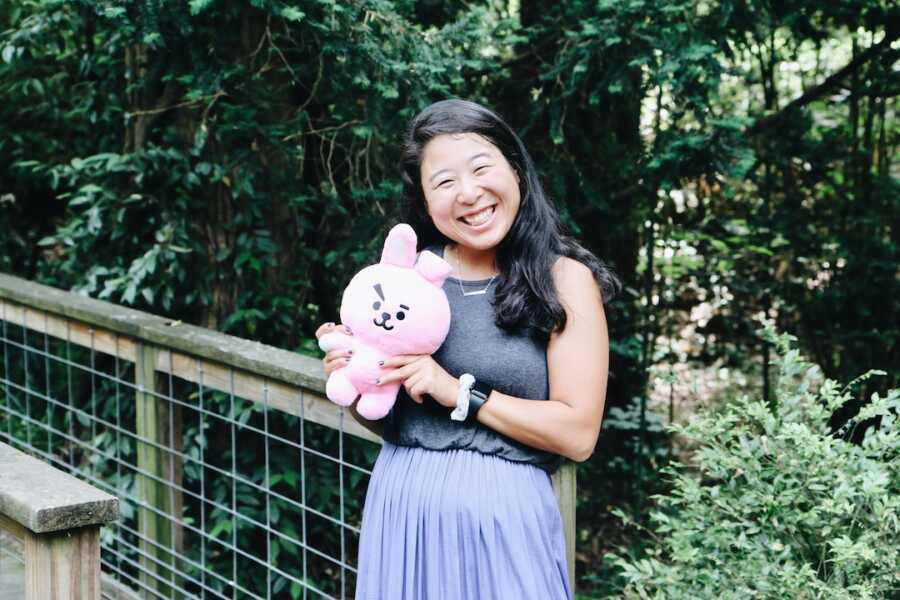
[433, 268]
[400, 246]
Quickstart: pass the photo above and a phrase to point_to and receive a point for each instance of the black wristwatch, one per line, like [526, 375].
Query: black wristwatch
[478, 395]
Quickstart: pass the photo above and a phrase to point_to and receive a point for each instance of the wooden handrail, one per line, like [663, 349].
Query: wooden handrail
[229, 363]
[58, 517]
[282, 379]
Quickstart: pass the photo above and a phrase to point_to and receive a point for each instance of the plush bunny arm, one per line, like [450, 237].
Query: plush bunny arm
[336, 341]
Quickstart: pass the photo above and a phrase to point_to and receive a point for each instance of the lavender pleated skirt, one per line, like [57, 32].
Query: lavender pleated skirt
[459, 525]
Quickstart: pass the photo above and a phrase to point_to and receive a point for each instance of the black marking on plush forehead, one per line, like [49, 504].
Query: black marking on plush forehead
[404, 307]
[377, 287]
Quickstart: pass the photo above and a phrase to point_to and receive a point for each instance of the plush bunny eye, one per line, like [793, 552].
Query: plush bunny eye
[377, 305]
[400, 314]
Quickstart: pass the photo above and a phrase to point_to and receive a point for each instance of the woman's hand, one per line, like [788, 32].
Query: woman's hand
[335, 359]
[421, 375]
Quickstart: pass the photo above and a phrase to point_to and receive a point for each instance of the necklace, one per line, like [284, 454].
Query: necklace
[459, 279]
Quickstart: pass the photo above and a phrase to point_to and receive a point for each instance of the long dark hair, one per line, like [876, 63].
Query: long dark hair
[525, 295]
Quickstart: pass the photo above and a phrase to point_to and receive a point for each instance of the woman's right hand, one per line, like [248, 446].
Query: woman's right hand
[334, 359]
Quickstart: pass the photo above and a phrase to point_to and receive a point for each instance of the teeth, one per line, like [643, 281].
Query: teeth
[480, 218]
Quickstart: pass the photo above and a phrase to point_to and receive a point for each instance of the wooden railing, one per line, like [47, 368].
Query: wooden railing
[57, 518]
[161, 350]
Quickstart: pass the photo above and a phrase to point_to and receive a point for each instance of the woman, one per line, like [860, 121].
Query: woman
[464, 508]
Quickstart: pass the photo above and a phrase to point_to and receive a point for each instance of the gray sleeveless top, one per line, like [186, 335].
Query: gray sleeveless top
[514, 364]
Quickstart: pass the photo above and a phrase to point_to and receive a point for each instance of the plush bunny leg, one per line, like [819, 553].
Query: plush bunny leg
[339, 389]
[375, 405]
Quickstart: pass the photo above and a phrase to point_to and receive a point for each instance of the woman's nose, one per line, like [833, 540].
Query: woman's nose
[469, 191]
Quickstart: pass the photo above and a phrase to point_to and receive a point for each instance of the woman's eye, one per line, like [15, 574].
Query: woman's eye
[444, 182]
[401, 315]
[377, 305]
[481, 169]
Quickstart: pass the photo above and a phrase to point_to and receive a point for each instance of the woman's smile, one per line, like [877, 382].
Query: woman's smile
[480, 218]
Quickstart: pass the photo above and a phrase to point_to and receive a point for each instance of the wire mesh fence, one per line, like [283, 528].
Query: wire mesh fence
[232, 484]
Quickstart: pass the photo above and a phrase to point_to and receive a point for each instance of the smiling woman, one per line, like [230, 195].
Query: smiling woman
[460, 503]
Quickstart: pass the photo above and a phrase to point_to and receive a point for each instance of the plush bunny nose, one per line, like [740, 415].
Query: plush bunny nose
[385, 317]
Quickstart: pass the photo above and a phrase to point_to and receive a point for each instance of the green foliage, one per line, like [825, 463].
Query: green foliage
[100, 218]
[632, 449]
[255, 168]
[777, 504]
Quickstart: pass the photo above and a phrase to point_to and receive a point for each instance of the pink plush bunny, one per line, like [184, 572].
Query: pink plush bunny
[394, 307]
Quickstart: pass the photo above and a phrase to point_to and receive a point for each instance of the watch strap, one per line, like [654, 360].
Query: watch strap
[478, 396]
[461, 412]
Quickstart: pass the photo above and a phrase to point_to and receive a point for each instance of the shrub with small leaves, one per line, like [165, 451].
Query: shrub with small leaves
[775, 504]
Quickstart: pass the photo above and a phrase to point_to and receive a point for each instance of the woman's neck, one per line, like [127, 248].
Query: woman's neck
[469, 263]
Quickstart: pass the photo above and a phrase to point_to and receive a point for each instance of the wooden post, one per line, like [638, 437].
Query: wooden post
[58, 518]
[564, 488]
[159, 522]
[63, 565]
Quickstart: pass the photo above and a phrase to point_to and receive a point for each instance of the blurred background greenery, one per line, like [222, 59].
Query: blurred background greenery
[230, 164]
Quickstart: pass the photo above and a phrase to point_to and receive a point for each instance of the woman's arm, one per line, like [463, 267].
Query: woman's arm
[578, 364]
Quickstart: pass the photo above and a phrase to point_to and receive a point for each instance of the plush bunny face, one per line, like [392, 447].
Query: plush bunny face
[398, 305]
[396, 310]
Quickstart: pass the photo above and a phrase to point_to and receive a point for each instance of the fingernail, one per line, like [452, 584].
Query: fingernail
[378, 382]
[350, 352]
[329, 324]
[380, 363]
[350, 331]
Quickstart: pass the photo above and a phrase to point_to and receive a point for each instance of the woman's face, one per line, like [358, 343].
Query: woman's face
[471, 191]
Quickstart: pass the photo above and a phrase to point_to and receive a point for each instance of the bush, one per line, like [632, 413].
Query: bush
[775, 504]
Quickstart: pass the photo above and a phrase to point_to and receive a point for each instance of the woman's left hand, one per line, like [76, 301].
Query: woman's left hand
[421, 375]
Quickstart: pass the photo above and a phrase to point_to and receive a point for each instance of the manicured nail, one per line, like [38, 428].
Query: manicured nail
[380, 363]
[349, 352]
[350, 331]
[378, 382]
